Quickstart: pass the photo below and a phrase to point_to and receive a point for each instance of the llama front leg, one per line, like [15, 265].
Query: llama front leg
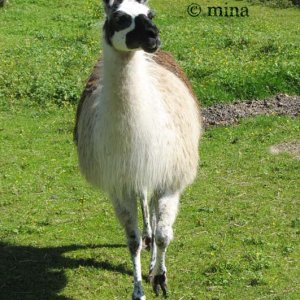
[153, 244]
[166, 208]
[126, 211]
[147, 232]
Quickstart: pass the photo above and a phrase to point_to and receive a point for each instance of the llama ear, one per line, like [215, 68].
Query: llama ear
[142, 1]
[109, 3]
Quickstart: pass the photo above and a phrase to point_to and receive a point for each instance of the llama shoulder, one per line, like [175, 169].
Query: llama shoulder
[175, 89]
[166, 60]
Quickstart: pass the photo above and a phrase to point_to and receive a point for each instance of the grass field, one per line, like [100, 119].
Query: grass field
[237, 233]
[47, 49]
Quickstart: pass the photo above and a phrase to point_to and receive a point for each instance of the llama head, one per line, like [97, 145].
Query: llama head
[129, 26]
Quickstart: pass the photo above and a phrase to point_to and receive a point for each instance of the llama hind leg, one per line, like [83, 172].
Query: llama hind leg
[147, 232]
[126, 212]
[166, 208]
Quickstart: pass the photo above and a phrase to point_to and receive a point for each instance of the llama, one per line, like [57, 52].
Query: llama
[137, 132]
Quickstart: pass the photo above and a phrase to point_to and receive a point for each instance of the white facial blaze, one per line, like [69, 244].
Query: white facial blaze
[133, 8]
[119, 38]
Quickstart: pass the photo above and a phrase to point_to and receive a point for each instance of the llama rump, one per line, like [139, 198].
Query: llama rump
[137, 132]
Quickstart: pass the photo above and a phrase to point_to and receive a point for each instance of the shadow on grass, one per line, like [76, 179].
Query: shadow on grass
[28, 272]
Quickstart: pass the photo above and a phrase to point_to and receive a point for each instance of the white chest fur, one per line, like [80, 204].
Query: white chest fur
[129, 136]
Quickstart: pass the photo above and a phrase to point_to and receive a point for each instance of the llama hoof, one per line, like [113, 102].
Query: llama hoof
[160, 281]
[138, 293]
[147, 241]
[139, 298]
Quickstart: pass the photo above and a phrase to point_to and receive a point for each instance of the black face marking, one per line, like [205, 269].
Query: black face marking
[117, 21]
[144, 35]
[120, 20]
[108, 32]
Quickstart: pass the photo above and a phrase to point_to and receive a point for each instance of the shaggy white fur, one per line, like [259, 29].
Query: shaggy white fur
[141, 126]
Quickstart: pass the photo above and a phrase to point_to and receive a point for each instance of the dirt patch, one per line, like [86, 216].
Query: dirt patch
[226, 114]
[291, 147]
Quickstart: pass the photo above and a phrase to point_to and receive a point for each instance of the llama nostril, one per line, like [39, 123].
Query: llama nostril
[151, 33]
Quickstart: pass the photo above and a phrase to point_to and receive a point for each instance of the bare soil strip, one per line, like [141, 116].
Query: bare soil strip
[230, 113]
[227, 114]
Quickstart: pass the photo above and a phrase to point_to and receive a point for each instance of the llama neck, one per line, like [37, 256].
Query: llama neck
[125, 75]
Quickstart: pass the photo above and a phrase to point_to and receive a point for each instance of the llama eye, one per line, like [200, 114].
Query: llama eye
[122, 21]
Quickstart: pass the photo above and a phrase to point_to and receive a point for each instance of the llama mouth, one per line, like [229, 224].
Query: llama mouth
[152, 45]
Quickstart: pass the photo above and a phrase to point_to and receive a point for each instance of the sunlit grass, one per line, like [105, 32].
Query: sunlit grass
[236, 236]
[237, 232]
[47, 49]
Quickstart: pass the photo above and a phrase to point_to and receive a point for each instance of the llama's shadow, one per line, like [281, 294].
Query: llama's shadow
[28, 272]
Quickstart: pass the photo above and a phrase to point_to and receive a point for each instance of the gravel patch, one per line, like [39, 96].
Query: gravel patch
[230, 113]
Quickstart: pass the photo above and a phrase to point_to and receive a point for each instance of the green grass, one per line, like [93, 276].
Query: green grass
[47, 49]
[237, 233]
[236, 236]
[273, 3]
